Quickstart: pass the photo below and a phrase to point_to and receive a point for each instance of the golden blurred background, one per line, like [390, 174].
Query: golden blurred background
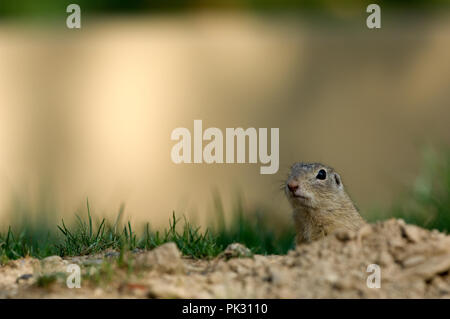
[89, 112]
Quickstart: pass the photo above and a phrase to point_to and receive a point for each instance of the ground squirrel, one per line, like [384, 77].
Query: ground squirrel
[321, 205]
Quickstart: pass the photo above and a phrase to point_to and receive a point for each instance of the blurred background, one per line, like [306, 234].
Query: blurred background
[88, 113]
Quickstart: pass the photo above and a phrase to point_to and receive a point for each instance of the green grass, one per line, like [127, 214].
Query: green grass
[87, 236]
[426, 204]
[255, 230]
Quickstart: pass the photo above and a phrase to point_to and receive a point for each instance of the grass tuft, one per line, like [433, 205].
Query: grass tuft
[255, 230]
[85, 236]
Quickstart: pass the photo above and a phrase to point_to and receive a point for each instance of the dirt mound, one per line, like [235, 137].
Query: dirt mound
[412, 263]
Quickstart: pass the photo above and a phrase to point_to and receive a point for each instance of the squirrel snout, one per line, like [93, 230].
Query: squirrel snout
[293, 186]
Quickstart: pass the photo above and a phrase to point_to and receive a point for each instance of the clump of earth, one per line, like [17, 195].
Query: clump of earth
[406, 262]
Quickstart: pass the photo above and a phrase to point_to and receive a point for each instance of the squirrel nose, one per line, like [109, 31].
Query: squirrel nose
[293, 186]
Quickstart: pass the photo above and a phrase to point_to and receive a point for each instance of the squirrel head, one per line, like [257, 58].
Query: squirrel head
[315, 186]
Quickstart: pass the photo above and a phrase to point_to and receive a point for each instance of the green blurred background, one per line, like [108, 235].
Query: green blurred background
[48, 7]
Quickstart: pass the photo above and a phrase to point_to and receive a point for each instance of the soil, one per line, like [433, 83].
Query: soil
[413, 263]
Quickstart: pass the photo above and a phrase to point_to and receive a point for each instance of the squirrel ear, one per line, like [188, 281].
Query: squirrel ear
[338, 181]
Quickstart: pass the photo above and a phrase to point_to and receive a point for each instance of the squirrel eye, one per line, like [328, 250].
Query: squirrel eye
[322, 174]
